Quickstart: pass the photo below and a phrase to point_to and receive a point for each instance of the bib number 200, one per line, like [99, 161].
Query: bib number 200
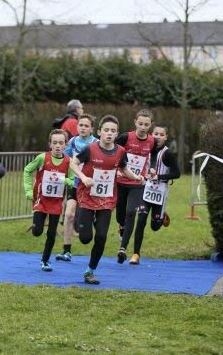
[152, 196]
[154, 193]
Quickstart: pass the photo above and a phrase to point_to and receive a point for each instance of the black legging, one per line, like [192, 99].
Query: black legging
[129, 200]
[101, 221]
[156, 223]
[37, 229]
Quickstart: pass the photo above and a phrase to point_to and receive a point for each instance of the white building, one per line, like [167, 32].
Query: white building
[142, 42]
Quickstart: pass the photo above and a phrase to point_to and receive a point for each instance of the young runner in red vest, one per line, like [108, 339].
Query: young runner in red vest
[96, 193]
[52, 174]
[75, 145]
[138, 145]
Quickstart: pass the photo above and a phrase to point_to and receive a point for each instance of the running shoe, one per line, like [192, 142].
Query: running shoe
[45, 266]
[134, 259]
[64, 256]
[90, 279]
[166, 220]
[121, 256]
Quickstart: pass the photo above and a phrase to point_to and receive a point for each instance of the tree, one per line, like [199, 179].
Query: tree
[211, 143]
[19, 76]
[182, 11]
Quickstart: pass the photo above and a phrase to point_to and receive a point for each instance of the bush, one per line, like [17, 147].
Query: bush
[211, 143]
[115, 80]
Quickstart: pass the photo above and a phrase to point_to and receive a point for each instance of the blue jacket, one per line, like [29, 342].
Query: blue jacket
[75, 146]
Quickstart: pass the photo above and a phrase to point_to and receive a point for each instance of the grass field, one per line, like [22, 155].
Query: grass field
[47, 320]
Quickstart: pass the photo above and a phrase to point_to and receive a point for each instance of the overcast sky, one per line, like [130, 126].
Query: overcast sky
[107, 11]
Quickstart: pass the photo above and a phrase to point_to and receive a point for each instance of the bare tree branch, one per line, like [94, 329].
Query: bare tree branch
[8, 3]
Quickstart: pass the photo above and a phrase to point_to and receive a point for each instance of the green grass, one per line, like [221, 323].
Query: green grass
[183, 239]
[47, 320]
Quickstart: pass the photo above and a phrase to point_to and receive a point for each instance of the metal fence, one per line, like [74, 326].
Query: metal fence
[13, 203]
[198, 188]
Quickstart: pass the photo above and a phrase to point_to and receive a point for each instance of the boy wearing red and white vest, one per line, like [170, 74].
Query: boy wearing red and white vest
[138, 145]
[97, 191]
[52, 174]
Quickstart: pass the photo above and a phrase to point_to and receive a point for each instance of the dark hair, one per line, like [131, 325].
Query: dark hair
[145, 113]
[90, 118]
[161, 126]
[108, 118]
[58, 131]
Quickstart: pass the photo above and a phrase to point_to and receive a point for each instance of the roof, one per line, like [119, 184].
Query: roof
[114, 35]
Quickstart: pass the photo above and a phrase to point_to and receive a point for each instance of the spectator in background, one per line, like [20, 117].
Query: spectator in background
[75, 109]
[69, 122]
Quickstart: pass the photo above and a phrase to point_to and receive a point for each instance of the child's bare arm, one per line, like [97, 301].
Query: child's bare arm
[130, 175]
[87, 181]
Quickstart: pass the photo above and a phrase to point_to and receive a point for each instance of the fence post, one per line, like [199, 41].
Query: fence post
[192, 214]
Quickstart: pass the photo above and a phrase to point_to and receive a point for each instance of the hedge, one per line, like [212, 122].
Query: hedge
[115, 80]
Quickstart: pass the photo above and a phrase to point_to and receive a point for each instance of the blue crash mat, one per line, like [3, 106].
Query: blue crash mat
[152, 275]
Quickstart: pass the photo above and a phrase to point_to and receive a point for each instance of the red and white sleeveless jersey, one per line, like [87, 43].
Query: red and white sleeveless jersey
[102, 167]
[49, 185]
[138, 152]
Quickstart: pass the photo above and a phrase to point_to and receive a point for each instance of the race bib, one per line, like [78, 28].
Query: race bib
[53, 184]
[136, 163]
[103, 183]
[155, 192]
